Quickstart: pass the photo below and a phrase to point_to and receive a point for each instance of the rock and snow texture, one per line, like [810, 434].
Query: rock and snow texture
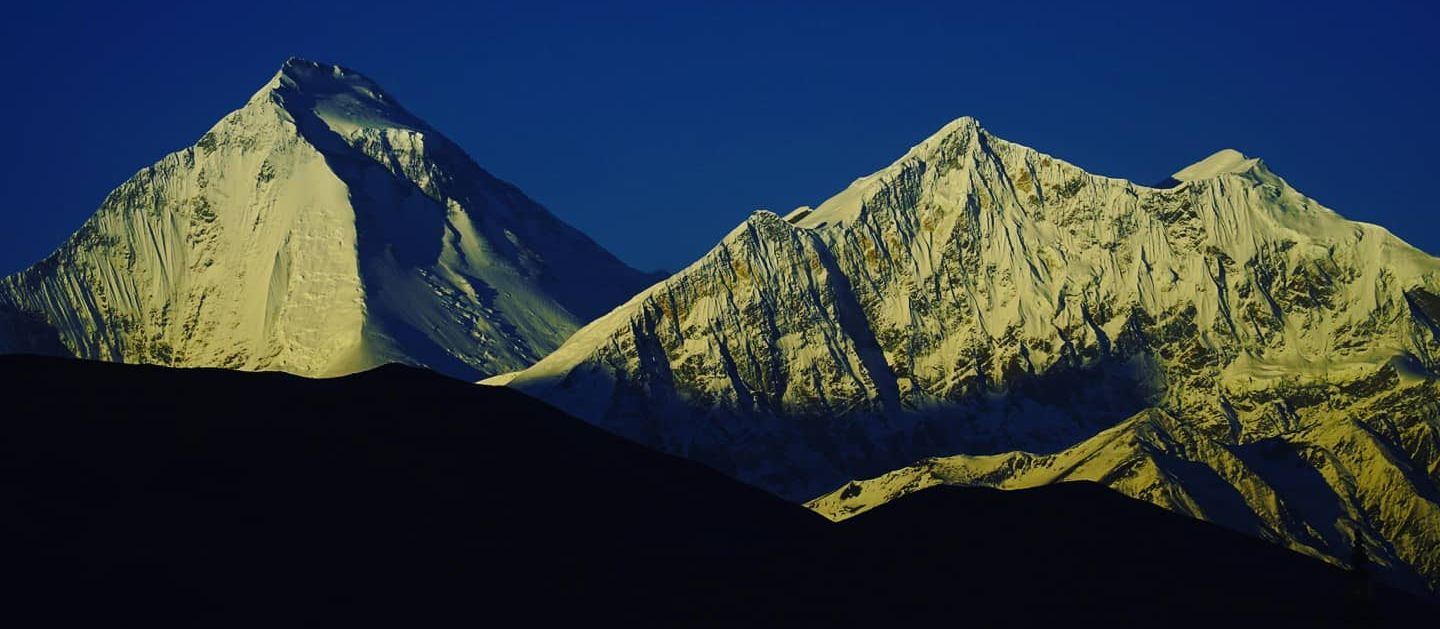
[1225, 347]
[321, 229]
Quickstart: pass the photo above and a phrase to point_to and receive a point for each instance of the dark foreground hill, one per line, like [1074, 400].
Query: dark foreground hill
[143, 496]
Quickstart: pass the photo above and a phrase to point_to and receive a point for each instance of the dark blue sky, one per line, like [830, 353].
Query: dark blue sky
[656, 127]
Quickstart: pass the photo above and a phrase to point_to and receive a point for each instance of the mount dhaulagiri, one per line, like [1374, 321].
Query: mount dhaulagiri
[979, 313]
[320, 229]
[149, 496]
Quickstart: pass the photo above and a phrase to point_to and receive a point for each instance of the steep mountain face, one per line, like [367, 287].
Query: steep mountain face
[1224, 347]
[321, 229]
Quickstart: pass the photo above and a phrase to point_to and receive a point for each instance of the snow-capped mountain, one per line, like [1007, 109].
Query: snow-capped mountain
[321, 229]
[1222, 346]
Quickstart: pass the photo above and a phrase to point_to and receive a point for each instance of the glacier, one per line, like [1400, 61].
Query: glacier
[321, 229]
[981, 313]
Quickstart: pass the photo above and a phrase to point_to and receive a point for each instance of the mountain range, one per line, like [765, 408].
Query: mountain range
[976, 314]
[1219, 345]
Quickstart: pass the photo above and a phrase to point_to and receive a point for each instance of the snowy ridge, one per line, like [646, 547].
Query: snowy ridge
[321, 229]
[1223, 162]
[980, 298]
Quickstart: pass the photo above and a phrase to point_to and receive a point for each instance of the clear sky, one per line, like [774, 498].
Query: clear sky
[657, 127]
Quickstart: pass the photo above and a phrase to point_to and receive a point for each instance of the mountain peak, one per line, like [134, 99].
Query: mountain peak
[324, 229]
[964, 125]
[345, 99]
[763, 216]
[314, 75]
[301, 62]
[844, 207]
[1222, 162]
[762, 219]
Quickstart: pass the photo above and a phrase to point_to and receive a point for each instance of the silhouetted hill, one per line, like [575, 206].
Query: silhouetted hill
[143, 496]
[1049, 555]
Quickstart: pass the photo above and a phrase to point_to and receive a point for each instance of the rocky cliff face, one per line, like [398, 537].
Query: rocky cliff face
[1223, 346]
[321, 229]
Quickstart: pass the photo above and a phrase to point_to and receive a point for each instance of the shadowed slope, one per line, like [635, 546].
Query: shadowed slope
[398, 497]
[22, 333]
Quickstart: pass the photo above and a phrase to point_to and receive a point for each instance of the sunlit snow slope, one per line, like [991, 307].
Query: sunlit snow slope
[321, 229]
[1224, 347]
